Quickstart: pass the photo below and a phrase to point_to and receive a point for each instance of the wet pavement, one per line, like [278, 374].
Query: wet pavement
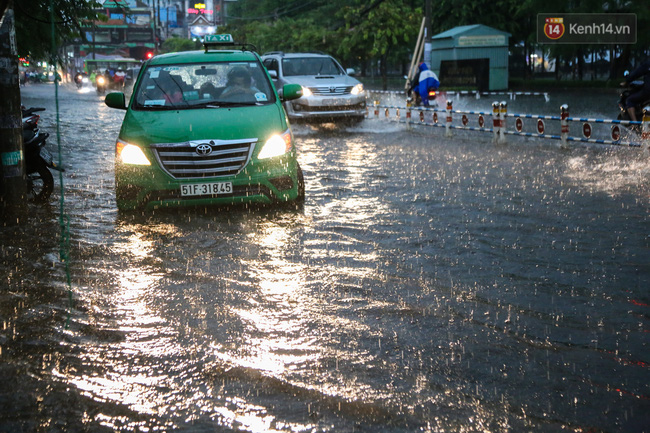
[427, 284]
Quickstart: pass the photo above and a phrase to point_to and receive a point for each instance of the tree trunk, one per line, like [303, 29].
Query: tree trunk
[384, 72]
[13, 186]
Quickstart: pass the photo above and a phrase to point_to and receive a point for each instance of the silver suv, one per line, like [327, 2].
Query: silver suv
[329, 92]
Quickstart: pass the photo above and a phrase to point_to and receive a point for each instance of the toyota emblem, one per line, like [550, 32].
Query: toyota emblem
[204, 149]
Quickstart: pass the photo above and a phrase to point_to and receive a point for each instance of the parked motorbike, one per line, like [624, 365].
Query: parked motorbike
[634, 86]
[38, 160]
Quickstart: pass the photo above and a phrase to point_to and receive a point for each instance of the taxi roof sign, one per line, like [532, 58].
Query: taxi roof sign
[225, 39]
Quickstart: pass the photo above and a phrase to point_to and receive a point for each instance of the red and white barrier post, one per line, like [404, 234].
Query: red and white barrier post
[503, 111]
[645, 129]
[564, 123]
[495, 121]
[448, 123]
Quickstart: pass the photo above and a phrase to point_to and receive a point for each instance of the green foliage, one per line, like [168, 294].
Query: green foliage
[34, 24]
[176, 44]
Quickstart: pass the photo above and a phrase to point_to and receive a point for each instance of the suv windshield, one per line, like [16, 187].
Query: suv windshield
[198, 85]
[310, 66]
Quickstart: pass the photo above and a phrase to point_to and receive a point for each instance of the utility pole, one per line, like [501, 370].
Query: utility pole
[427, 32]
[155, 28]
[13, 184]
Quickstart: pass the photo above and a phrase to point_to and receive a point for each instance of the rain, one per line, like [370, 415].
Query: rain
[427, 283]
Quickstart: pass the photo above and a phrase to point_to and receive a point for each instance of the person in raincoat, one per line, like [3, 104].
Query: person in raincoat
[425, 80]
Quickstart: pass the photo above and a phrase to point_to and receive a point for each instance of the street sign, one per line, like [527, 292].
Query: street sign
[218, 39]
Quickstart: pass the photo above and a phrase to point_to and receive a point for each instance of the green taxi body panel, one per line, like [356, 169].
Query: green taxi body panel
[173, 126]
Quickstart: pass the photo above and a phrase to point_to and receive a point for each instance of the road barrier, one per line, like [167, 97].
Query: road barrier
[475, 93]
[428, 116]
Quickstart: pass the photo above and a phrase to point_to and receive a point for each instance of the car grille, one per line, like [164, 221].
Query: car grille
[331, 90]
[204, 158]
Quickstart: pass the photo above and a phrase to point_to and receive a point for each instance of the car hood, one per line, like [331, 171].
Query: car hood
[145, 127]
[322, 80]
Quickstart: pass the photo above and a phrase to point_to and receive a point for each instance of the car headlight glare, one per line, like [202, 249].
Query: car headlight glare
[131, 154]
[306, 93]
[357, 89]
[277, 145]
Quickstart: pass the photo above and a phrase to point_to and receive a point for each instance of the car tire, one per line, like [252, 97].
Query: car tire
[301, 185]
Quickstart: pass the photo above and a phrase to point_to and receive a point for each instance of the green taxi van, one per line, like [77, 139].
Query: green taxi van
[206, 128]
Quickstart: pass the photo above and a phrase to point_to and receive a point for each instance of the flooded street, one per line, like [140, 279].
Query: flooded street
[427, 285]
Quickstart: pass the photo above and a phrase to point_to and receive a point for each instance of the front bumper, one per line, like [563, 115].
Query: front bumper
[150, 188]
[320, 107]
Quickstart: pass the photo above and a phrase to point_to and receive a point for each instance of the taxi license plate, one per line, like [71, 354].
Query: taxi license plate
[213, 188]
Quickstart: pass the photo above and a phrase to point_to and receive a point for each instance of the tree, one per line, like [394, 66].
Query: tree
[34, 24]
[378, 29]
[176, 44]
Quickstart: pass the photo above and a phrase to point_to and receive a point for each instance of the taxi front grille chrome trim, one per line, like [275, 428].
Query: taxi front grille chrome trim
[204, 158]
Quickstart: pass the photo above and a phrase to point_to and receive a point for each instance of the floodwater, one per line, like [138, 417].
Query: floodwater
[428, 284]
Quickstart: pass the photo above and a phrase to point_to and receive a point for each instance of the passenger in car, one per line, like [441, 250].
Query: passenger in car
[208, 91]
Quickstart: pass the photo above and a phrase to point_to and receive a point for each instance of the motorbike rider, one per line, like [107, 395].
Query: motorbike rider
[424, 80]
[642, 71]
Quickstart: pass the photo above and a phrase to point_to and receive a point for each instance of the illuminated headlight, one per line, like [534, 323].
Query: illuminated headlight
[277, 145]
[357, 89]
[100, 80]
[306, 93]
[130, 154]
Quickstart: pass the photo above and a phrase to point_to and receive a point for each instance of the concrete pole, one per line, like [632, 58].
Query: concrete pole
[427, 33]
[13, 184]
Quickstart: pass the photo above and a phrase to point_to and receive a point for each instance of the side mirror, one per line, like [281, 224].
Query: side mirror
[116, 100]
[290, 92]
[351, 71]
[273, 74]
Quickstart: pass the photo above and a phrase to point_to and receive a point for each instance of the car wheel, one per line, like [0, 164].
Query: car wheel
[301, 185]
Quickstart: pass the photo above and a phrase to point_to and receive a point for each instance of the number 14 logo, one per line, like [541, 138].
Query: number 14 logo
[554, 28]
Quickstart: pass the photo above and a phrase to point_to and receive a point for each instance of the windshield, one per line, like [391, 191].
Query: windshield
[209, 85]
[310, 66]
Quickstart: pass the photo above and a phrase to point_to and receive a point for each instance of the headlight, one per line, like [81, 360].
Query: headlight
[357, 89]
[130, 154]
[277, 145]
[306, 92]
[100, 80]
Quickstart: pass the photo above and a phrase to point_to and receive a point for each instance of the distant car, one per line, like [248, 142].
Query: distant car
[205, 128]
[330, 93]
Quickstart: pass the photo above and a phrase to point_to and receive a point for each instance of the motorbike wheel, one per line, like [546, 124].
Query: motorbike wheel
[40, 183]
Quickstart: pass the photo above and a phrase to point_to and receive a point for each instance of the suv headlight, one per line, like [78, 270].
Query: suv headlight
[357, 89]
[277, 145]
[130, 153]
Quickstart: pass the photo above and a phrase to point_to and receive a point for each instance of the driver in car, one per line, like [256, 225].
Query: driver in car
[239, 83]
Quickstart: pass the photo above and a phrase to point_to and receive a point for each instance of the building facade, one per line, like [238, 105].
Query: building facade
[136, 28]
